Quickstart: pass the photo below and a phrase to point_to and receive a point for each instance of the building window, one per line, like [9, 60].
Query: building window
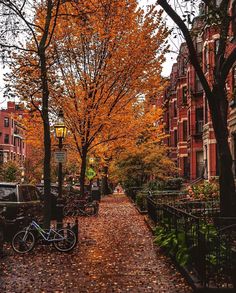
[199, 120]
[6, 139]
[6, 122]
[206, 111]
[198, 84]
[175, 109]
[175, 138]
[184, 94]
[185, 130]
[183, 66]
[189, 123]
[199, 164]
[199, 51]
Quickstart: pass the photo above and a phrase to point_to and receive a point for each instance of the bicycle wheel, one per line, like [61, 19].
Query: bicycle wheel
[92, 209]
[68, 242]
[21, 243]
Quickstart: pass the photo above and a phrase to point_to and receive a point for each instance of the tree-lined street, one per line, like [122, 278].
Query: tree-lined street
[91, 116]
[115, 253]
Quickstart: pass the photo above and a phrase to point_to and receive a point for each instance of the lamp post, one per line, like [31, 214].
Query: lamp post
[91, 162]
[60, 133]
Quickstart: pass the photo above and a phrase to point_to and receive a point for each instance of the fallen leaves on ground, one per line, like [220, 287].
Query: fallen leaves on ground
[115, 253]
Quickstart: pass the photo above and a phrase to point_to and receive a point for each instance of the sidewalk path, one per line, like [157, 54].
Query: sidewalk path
[115, 254]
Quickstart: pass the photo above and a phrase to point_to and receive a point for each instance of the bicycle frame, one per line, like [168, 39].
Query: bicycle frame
[51, 235]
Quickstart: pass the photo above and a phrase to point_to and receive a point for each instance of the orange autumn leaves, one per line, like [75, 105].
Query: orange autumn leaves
[104, 59]
[108, 61]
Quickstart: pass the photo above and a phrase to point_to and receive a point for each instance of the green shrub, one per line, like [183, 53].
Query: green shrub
[169, 184]
[174, 243]
[173, 184]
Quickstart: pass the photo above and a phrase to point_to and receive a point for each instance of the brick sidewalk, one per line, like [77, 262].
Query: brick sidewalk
[115, 254]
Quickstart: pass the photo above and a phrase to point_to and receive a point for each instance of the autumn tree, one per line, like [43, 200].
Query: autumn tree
[33, 165]
[27, 28]
[143, 156]
[138, 167]
[10, 171]
[217, 15]
[105, 62]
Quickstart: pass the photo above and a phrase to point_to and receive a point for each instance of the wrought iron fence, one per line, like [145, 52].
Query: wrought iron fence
[209, 242]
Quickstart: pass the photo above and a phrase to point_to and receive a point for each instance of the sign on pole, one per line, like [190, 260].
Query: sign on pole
[60, 156]
[90, 173]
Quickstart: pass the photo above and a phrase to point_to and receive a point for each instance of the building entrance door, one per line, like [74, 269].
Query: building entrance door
[199, 164]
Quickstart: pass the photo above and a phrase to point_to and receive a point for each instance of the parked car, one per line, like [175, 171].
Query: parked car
[54, 189]
[76, 188]
[20, 201]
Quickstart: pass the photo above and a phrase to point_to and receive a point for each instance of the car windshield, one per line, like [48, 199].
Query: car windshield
[7, 193]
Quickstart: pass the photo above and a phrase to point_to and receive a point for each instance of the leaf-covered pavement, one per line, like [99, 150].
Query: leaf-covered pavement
[115, 253]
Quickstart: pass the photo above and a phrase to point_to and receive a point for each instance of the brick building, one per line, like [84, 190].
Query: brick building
[181, 102]
[187, 118]
[12, 145]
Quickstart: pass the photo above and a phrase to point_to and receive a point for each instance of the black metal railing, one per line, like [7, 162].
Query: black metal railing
[208, 241]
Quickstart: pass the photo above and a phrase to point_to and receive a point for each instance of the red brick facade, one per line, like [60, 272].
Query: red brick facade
[12, 145]
[195, 150]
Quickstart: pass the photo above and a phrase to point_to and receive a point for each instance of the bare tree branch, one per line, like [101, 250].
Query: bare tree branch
[192, 52]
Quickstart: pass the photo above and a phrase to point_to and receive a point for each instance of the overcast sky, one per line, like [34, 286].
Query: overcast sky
[170, 57]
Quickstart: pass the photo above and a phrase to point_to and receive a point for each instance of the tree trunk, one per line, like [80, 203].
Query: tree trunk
[105, 187]
[83, 170]
[47, 141]
[226, 178]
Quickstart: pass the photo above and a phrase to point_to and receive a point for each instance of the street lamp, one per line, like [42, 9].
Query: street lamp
[91, 161]
[60, 128]
[60, 133]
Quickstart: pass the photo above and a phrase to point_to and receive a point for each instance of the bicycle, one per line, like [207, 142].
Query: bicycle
[64, 239]
[81, 208]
